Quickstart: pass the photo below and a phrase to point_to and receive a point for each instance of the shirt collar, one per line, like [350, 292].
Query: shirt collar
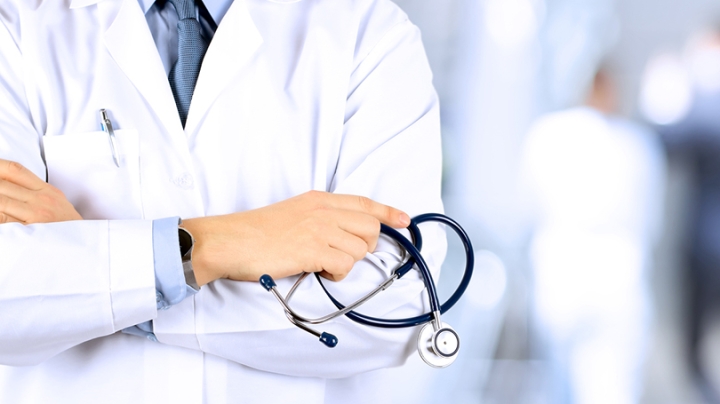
[217, 8]
[146, 4]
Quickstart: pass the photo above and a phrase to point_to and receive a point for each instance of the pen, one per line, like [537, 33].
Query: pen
[106, 126]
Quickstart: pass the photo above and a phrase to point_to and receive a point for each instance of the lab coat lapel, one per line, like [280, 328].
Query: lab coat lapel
[233, 44]
[129, 41]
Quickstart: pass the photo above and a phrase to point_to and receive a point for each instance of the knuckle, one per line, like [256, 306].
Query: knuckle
[346, 264]
[371, 230]
[14, 167]
[372, 244]
[360, 250]
[340, 265]
[318, 267]
[12, 170]
[315, 196]
[316, 200]
[365, 203]
[358, 255]
[387, 212]
[374, 225]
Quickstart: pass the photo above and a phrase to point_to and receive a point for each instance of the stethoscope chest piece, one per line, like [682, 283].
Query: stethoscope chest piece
[438, 348]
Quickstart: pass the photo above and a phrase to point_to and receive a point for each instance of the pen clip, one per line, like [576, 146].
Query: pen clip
[107, 127]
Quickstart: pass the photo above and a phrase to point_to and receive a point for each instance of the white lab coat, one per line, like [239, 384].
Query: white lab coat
[326, 95]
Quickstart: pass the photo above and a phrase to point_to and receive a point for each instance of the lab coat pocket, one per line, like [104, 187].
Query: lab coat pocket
[82, 166]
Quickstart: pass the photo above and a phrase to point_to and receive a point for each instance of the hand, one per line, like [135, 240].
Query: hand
[27, 199]
[312, 232]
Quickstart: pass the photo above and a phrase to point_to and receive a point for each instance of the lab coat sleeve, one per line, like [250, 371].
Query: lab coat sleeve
[62, 283]
[390, 152]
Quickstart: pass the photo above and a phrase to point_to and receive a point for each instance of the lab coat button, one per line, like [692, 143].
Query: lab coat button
[184, 181]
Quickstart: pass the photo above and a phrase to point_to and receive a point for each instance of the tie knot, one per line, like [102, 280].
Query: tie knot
[185, 8]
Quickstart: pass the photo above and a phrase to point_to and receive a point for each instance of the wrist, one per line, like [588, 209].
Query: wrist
[200, 266]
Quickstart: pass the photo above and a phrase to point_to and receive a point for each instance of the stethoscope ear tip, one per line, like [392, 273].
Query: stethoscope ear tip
[267, 282]
[329, 340]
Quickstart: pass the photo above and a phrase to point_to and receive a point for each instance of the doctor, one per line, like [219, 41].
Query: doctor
[298, 105]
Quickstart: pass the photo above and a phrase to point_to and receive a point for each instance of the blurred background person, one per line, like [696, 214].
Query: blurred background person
[681, 96]
[596, 184]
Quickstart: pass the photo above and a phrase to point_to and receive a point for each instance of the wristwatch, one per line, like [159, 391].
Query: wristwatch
[187, 242]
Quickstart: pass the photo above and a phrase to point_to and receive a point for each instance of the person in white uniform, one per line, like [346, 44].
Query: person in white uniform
[597, 183]
[308, 120]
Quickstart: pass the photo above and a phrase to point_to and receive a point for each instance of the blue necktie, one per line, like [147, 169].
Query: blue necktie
[191, 50]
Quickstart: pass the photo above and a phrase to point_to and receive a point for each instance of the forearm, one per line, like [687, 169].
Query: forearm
[66, 283]
[242, 322]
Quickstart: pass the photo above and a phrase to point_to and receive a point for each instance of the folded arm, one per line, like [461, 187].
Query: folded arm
[391, 153]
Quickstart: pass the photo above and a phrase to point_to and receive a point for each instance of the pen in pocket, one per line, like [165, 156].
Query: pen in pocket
[107, 127]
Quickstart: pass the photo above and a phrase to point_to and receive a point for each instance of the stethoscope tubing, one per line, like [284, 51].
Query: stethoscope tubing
[413, 249]
[296, 317]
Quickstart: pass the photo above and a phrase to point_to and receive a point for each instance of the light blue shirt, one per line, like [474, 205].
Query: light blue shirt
[170, 283]
[162, 21]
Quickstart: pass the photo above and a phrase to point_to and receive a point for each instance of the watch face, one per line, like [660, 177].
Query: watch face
[186, 241]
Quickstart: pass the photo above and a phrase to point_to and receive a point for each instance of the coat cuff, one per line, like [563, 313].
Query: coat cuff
[132, 280]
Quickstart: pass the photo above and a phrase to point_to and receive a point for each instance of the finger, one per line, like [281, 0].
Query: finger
[335, 278]
[336, 263]
[16, 209]
[362, 225]
[5, 218]
[386, 214]
[17, 174]
[15, 191]
[348, 243]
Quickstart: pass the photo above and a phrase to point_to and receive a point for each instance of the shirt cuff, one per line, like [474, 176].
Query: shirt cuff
[144, 330]
[170, 284]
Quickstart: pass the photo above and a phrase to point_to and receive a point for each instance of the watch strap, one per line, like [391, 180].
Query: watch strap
[187, 243]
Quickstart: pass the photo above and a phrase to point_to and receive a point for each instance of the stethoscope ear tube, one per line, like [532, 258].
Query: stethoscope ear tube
[329, 340]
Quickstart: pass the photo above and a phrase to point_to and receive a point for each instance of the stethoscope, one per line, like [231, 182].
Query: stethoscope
[438, 343]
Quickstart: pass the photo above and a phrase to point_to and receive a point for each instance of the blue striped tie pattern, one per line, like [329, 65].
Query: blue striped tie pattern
[191, 50]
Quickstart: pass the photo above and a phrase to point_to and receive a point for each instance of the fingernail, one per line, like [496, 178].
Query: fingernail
[404, 220]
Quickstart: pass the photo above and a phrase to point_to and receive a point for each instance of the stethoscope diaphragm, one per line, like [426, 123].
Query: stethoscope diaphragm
[438, 348]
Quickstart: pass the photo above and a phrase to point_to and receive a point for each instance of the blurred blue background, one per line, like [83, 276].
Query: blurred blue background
[594, 195]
